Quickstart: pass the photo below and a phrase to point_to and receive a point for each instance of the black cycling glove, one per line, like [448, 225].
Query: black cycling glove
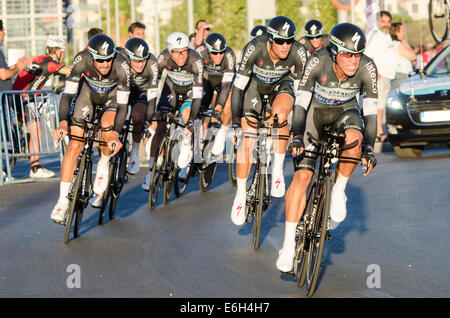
[297, 142]
[369, 155]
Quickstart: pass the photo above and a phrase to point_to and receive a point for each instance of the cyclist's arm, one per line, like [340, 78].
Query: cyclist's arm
[152, 88]
[197, 87]
[302, 101]
[369, 104]
[71, 87]
[58, 68]
[123, 94]
[300, 57]
[241, 80]
[227, 79]
[303, 96]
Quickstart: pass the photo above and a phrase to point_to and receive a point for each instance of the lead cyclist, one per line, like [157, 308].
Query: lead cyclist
[333, 79]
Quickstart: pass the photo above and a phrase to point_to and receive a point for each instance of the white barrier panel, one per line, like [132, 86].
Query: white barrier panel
[27, 120]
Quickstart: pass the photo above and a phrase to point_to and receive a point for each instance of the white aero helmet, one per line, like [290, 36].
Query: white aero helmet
[56, 41]
[177, 40]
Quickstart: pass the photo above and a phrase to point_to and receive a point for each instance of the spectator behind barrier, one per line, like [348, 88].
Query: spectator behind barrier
[404, 53]
[380, 49]
[8, 72]
[202, 29]
[33, 77]
[136, 30]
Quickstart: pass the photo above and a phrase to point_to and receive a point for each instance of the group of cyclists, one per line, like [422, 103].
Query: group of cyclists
[305, 84]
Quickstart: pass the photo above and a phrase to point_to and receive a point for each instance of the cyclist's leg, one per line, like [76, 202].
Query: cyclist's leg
[252, 103]
[219, 142]
[137, 115]
[295, 199]
[352, 123]
[185, 154]
[167, 101]
[281, 106]
[82, 110]
[34, 134]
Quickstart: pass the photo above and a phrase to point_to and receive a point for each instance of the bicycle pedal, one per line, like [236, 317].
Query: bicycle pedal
[63, 223]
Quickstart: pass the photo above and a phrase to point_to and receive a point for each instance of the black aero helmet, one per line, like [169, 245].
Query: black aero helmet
[101, 46]
[281, 27]
[216, 43]
[258, 30]
[137, 49]
[346, 37]
[313, 28]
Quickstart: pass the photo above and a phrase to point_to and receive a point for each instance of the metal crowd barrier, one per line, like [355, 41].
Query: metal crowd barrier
[19, 132]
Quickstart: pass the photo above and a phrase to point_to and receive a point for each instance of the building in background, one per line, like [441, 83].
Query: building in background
[27, 24]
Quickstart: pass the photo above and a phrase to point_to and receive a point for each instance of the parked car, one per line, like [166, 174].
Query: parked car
[418, 112]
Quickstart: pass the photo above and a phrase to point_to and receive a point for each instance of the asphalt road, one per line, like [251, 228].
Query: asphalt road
[397, 228]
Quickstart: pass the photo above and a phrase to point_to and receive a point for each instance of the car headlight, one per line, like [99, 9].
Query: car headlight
[393, 102]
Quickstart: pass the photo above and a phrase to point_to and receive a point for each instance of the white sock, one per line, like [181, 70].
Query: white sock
[135, 147]
[241, 186]
[64, 188]
[104, 160]
[341, 183]
[278, 161]
[289, 234]
[224, 129]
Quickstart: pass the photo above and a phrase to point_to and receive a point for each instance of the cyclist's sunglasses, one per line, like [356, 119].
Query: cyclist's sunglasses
[315, 37]
[281, 41]
[101, 61]
[215, 53]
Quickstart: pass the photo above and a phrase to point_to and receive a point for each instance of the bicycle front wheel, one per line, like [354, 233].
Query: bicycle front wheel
[107, 193]
[303, 241]
[120, 176]
[438, 18]
[258, 211]
[157, 178]
[318, 237]
[76, 193]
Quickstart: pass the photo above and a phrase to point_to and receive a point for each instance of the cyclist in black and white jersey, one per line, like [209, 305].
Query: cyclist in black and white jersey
[257, 31]
[270, 67]
[220, 64]
[314, 38]
[143, 93]
[182, 92]
[333, 79]
[99, 76]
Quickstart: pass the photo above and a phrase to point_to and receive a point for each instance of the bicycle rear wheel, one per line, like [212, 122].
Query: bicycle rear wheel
[157, 178]
[438, 19]
[318, 237]
[206, 176]
[258, 210]
[182, 182]
[232, 165]
[75, 194]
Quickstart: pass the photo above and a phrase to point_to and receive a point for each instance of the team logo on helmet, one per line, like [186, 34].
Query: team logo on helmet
[286, 27]
[356, 37]
[141, 50]
[105, 46]
[218, 43]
